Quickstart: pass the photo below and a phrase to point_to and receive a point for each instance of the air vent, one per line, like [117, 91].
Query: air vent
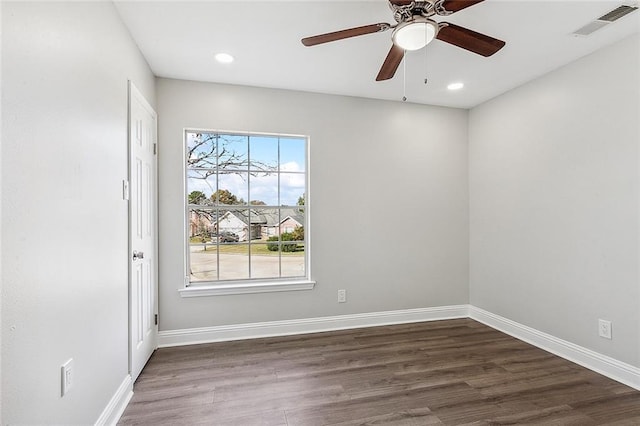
[605, 20]
[617, 13]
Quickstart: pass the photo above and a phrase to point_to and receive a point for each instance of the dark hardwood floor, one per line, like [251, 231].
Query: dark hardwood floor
[455, 372]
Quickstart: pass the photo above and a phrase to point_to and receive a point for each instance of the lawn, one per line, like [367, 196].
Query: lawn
[243, 248]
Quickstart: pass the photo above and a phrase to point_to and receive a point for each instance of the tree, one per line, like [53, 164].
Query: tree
[301, 200]
[298, 233]
[196, 197]
[257, 203]
[224, 196]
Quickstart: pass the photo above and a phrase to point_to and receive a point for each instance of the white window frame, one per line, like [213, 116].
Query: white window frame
[250, 285]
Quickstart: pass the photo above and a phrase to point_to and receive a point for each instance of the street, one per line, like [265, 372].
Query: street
[236, 266]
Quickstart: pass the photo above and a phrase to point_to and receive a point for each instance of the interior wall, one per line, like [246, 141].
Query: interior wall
[388, 199]
[554, 199]
[64, 223]
[1, 296]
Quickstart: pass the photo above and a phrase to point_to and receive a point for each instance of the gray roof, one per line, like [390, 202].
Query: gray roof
[268, 216]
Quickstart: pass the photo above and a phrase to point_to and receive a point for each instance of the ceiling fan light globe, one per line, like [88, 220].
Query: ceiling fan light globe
[414, 35]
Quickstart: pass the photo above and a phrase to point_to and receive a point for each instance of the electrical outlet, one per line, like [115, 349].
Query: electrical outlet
[66, 376]
[604, 328]
[342, 296]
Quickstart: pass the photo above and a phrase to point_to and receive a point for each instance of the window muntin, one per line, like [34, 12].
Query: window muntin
[245, 207]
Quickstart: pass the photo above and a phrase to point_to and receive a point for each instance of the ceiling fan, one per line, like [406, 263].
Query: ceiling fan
[415, 29]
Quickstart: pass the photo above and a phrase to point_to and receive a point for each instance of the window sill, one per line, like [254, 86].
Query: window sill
[245, 288]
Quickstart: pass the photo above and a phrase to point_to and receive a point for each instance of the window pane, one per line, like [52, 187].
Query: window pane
[293, 154]
[234, 261]
[203, 263]
[201, 150]
[201, 184]
[290, 220]
[233, 188]
[233, 152]
[272, 222]
[264, 189]
[202, 224]
[292, 187]
[263, 152]
[258, 224]
[232, 226]
[264, 262]
[293, 259]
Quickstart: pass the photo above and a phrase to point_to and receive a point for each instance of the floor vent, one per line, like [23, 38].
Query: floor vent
[605, 20]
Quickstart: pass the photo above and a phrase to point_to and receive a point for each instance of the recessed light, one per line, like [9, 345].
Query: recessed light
[224, 58]
[455, 86]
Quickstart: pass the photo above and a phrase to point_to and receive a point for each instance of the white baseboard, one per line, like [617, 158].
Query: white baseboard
[112, 412]
[607, 366]
[307, 325]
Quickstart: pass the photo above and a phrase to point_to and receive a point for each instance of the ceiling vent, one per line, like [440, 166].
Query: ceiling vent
[617, 13]
[605, 20]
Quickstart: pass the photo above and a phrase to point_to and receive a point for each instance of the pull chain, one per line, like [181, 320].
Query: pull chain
[425, 66]
[404, 76]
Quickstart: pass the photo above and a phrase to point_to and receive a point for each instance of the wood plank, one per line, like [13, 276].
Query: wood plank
[450, 372]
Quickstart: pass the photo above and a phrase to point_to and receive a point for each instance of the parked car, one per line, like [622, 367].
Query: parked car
[228, 237]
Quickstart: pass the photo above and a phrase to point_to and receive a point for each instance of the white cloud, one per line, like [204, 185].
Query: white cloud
[291, 166]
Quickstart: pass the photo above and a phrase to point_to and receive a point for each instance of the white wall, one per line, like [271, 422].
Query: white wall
[388, 183]
[64, 224]
[554, 202]
[1, 297]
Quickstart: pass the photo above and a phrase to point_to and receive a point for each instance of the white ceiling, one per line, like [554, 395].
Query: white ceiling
[179, 40]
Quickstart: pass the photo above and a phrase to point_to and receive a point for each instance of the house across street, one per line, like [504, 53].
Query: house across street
[256, 223]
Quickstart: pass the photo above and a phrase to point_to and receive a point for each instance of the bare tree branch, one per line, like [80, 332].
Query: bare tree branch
[211, 153]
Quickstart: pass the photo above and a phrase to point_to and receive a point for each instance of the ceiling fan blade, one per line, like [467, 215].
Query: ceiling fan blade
[391, 63]
[342, 34]
[456, 5]
[469, 40]
[401, 2]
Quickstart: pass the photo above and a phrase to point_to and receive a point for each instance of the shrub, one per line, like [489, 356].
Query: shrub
[272, 243]
[288, 236]
[272, 246]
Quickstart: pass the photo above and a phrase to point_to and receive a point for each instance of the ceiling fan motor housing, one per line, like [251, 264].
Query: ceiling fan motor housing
[404, 11]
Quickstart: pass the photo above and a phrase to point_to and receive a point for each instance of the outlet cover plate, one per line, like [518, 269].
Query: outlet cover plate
[604, 328]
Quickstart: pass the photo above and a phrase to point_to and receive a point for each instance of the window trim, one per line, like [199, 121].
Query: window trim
[245, 287]
[249, 285]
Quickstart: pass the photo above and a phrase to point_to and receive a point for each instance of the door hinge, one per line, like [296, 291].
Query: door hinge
[155, 318]
[155, 148]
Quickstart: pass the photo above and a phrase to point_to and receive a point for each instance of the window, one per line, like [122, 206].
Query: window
[246, 209]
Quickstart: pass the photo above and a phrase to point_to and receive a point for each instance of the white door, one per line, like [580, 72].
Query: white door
[143, 281]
